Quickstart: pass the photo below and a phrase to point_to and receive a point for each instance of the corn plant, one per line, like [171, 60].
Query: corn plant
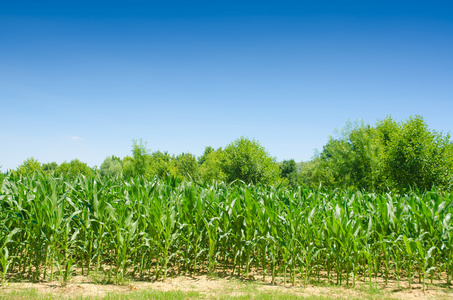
[133, 226]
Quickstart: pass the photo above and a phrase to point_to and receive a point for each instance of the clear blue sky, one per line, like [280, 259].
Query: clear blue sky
[81, 79]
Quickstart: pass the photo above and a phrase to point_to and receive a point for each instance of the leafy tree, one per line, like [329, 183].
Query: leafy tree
[161, 164]
[288, 167]
[247, 160]
[50, 167]
[141, 157]
[73, 169]
[186, 166]
[206, 152]
[128, 166]
[389, 155]
[212, 166]
[313, 172]
[111, 166]
[351, 158]
[29, 166]
[290, 171]
[415, 155]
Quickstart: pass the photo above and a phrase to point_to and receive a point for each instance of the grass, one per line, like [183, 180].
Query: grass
[142, 295]
[173, 295]
[202, 288]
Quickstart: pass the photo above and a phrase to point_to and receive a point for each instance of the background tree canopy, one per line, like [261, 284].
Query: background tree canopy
[111, 166]
[248, 161]
[389, 155]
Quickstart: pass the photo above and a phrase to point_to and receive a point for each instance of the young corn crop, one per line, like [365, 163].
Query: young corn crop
[133, 227]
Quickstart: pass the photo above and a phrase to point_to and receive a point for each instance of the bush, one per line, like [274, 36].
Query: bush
[248, 161]
[389, 155]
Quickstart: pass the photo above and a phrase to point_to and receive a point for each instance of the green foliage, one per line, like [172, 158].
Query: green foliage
[212, 167]
[140, 155]
[389, 155]
[247, 160]
[244, 159]
[288, 167]
[351, 159]
[161, 164]
[415, 155]
[50, 167]
[128, 166]
[144, 229]
[313, 173]
[29, 166]
[73, 169]
[207, 151]
[290, 171]
[186, 166]
[111, 166]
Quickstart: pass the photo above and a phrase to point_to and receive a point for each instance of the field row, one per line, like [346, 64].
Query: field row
[141, 228]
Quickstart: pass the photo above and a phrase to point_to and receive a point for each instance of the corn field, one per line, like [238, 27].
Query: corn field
[151, 229]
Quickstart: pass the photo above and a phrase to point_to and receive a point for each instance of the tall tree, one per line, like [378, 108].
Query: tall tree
[111, 166]
[161, 164]
[212, 166]
[29, 166]
[206, 152]
[351, 157]
[389, 155]
[186, 166]
[415, 155]
[141, 157]
[247, 160]
[290, 170]
[73, 169]
[50, 167]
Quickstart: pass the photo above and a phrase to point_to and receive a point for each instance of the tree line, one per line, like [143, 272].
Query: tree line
[390, 155]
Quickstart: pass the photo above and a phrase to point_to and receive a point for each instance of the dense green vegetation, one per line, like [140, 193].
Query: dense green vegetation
[150, 229]
[388, 156]
[376, 201]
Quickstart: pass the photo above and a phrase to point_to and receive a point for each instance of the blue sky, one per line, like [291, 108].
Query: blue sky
[81, 79]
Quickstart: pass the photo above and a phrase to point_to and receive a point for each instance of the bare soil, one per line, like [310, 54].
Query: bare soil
[82, 286]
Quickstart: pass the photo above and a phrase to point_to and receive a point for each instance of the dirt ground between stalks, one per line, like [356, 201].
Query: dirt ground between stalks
[80, 286]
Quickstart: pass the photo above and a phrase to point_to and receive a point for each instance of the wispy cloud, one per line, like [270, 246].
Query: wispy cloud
[76, 138]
